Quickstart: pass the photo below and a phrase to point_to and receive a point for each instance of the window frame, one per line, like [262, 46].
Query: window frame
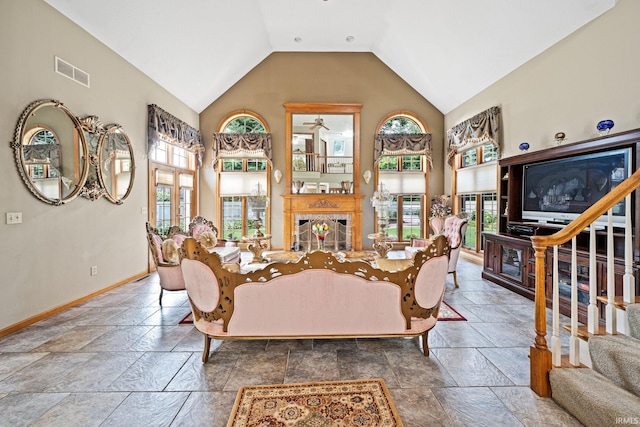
[245, 167]
[399, 199]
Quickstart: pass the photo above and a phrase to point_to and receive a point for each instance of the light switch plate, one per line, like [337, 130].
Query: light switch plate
[14, 217]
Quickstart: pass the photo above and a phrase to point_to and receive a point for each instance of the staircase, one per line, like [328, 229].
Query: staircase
[609, 392]
[599, 380]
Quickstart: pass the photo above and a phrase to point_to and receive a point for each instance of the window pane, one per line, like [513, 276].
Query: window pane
[411, 163]
[392, 227]
[468, 203]
[179, 157]
[256, 165]
[411, 216]
[232, 217]
[400, 124]
[185, 207]
[489, 153]
[244, 125]
[163, 209]
[159, 153]
[231, 165]
[469, 158]
[388, 163]
[489, 207]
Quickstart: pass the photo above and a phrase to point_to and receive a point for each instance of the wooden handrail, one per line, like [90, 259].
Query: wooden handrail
[540, 355]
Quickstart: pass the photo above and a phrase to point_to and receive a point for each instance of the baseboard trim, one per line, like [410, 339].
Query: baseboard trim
[33, 319]
[477, 258]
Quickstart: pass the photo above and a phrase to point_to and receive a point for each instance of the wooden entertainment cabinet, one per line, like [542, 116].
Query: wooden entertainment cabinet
[508, 254]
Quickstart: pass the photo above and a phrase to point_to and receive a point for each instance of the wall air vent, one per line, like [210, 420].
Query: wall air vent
[74, 73]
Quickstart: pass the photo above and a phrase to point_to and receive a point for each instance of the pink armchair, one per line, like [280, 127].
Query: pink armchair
[454, 228]
[169, 271]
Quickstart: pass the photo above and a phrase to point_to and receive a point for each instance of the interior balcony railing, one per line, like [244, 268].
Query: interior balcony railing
[313, 162]
[544, 357]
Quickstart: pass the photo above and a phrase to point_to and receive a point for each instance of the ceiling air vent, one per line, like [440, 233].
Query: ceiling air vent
[74, 73]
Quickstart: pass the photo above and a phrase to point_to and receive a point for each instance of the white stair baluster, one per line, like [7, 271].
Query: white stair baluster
[593, 314]
[612, 324]
[629, 281]
[574, 341]
[556, 344]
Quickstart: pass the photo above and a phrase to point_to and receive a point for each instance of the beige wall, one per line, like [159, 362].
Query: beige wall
[589, 76]
[46, 260]
[319, 77]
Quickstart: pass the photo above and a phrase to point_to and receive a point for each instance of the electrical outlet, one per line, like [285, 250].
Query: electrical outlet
[14, 217]
[94, 270]
[143, 210]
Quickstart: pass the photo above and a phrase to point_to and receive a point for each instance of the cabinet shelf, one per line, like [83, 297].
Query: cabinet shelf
[510, 202]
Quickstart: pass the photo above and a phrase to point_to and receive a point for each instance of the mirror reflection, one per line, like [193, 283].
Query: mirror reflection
[115, 164]
[322, 153]
[51, 152]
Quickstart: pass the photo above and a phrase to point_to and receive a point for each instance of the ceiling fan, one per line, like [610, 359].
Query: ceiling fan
[319, 122]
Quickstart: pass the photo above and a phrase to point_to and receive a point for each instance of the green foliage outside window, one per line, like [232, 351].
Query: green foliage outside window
[244, 125]
[388, 163]
[400, 124]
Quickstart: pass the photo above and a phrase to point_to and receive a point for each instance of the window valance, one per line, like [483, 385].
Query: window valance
[397, 144]
[43, 153]
[482, 128]
[163, 126]
[241, 145]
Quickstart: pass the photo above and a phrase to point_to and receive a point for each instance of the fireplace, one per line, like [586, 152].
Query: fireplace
[342, 212]
[338, 238]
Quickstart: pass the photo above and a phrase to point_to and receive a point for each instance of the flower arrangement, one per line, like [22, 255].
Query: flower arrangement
[441, 206]
[320, 230]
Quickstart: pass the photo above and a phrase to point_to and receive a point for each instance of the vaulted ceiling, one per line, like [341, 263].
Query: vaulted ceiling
[447, 50]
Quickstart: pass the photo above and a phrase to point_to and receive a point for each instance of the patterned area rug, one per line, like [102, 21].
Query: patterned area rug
[357, 403]
[446, 313]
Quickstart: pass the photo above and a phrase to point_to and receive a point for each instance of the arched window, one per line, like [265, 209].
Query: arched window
[404, 173]
[243, 173]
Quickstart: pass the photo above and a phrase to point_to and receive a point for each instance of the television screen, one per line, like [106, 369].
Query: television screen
[560, 190]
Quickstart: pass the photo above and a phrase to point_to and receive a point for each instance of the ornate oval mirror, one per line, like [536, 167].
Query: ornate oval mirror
[116, 166]
[51, 151]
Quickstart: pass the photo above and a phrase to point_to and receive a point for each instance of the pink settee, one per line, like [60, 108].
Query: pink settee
[316, 296]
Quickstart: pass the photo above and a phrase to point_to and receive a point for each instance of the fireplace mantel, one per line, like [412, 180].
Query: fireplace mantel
[322, 203]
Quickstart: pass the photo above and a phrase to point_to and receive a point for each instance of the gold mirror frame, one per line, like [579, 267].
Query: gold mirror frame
[320, 109]
[115, 157]
[29, 120]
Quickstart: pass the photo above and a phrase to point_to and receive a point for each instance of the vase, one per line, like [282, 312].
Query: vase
[321, 243]
[604, 126]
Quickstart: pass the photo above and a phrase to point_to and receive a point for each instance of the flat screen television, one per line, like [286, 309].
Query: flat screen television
[558, 190]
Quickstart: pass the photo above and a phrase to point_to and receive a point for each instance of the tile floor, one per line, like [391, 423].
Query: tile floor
[121, 360]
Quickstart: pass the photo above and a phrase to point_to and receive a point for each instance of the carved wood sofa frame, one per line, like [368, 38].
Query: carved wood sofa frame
[229, 281]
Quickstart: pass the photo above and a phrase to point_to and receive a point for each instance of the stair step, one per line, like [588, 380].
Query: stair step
[618, 302]
[565, 363]
[583, 332]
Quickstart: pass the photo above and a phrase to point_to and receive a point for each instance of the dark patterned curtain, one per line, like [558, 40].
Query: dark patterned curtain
[241, 145]
[482, 128]
[45, 153]
[163, 126]
[396, 144]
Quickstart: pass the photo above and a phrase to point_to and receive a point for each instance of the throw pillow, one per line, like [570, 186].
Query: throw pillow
[179, 239]
[170, 251]
[208, 239]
